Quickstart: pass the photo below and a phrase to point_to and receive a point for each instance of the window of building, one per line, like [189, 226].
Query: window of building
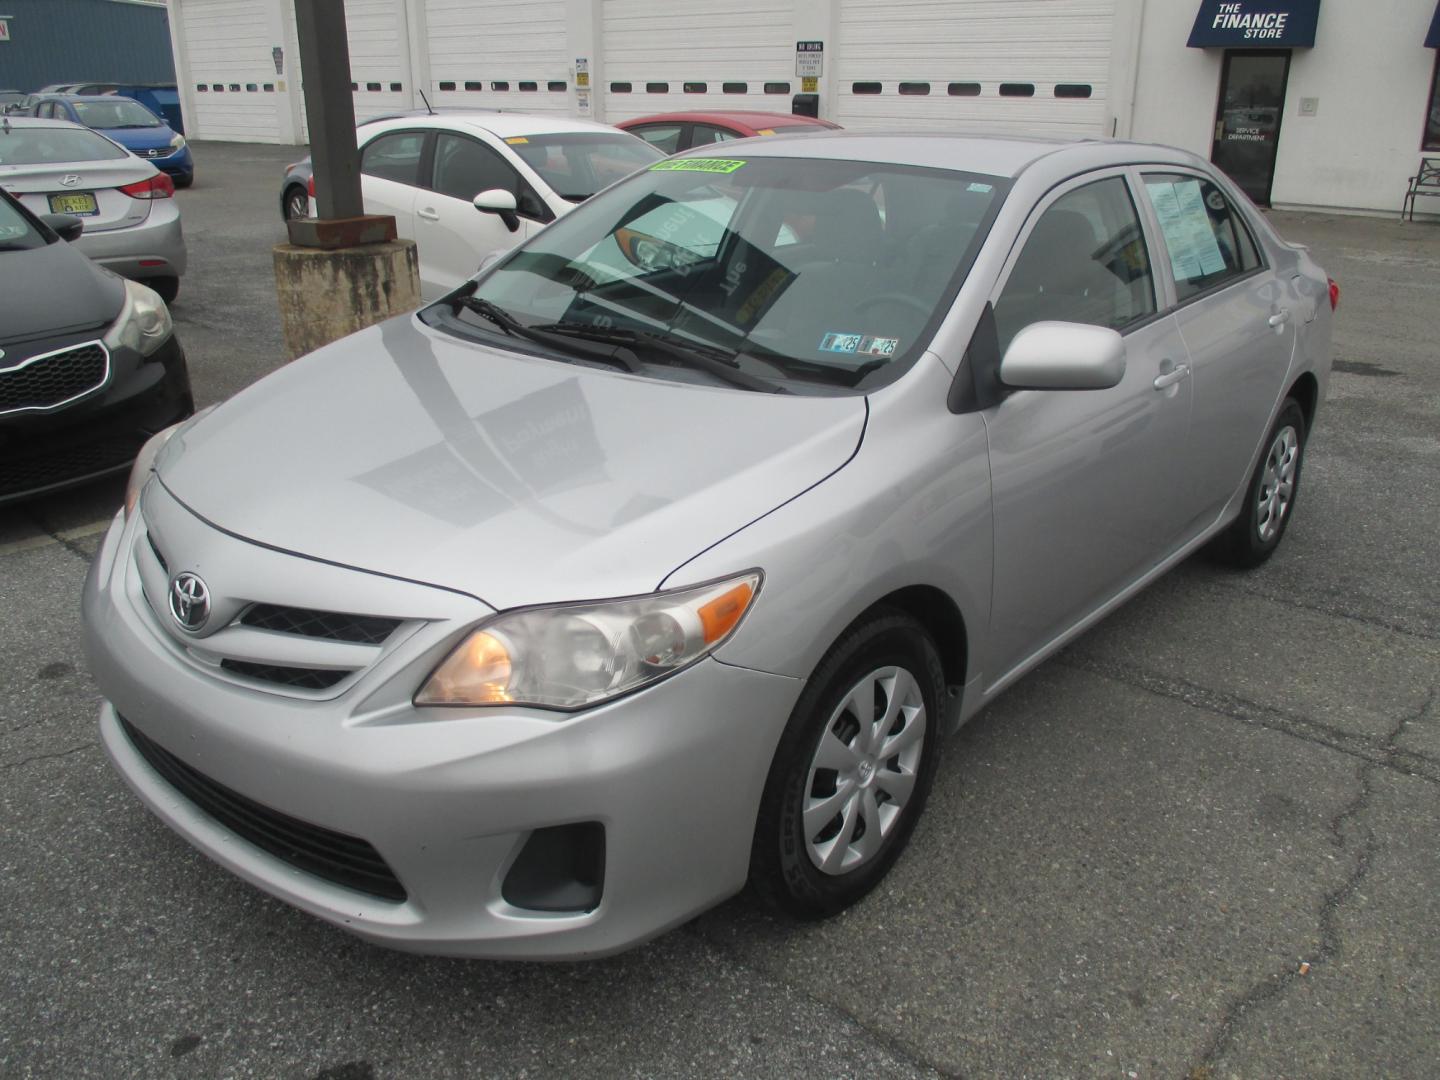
[865, 88]
[915, 88]
[777, 88]
[620, 88]
[474, 85]
[447, 86]
[1206, 238]
[499, 86]
[735, 87]
[1072, 90]
[529, 87]
[696, 87]
[1017, 89]
[1432, 115]
[556, 86]
[963, 89]
[657, 87]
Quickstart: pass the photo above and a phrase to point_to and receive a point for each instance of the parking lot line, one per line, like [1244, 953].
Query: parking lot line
[30, 543]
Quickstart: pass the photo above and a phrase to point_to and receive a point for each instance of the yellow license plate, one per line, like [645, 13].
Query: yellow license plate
[81, 203]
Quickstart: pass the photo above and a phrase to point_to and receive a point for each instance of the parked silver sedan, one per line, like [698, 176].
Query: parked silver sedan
[661, 556]
[132, 225]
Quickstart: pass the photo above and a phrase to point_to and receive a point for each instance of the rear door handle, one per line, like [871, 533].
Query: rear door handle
[1170, 378]
[431, 215]
[1280, 318]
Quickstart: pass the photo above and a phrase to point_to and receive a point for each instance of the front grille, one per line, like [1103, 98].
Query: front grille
[52, 379]
[299, 677]
[34, 471]
[330, 625]
[159, 558]
[338, 858]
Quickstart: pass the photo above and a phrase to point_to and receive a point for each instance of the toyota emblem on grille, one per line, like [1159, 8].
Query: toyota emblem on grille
[189, 601]
[69, 180]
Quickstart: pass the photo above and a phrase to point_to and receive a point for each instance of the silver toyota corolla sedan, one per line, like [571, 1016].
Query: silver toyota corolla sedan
[662, 556]
[132, 225]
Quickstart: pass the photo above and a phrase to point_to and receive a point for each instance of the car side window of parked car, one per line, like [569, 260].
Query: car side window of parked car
[395, 156]
[465, 167]
[705, 134]
[664, 137]
[1084, 261]
[1207, 240]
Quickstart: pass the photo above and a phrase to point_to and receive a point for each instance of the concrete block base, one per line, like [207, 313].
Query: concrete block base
[325, 295]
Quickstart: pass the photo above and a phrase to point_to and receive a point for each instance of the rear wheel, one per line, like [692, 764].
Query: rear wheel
[852, 771]
[296, 202]
[185, 180]
[167, 287]
[1256, 533]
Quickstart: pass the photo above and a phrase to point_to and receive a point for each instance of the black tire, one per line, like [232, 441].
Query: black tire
[783, 870]
[167, 287]
[184, 181]
[1256, 533]
[294, 202]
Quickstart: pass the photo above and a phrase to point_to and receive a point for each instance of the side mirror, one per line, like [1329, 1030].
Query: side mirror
[500, 202]
[66, 226]
[1064, 356]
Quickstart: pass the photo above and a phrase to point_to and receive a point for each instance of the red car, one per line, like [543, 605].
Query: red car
[673, 132]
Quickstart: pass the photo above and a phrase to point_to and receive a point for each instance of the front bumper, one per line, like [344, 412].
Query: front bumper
[153, 248]
[100, 434]
[447, 797]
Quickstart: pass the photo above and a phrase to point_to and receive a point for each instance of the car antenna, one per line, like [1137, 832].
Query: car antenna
[426, 101]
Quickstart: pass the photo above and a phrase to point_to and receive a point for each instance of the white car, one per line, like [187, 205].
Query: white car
[427, 172]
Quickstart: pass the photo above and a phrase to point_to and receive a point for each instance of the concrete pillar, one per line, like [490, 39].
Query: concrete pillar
[326, 294]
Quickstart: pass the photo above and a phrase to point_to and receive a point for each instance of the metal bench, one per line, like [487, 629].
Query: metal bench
[1425, 182]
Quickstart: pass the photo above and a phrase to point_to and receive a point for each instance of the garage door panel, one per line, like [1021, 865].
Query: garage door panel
[1040, 43]
[475, 44]
[696, 41]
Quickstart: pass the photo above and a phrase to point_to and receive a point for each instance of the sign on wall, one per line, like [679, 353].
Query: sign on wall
[4, 30]
[809, 59]
[1255, 24]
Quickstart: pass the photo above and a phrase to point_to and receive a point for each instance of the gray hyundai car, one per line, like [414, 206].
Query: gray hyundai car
[662, 556]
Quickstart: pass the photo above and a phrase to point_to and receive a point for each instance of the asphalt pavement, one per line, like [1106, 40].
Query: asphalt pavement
[1200, 843]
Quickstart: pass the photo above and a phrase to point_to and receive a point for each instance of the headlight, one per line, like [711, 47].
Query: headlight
[576, 655]
[144, 322]
[144, 462]
[178, 141]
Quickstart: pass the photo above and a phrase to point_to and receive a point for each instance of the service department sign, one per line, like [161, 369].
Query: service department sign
[1255, 24]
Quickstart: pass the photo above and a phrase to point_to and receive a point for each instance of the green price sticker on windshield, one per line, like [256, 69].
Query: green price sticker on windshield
[704, 164]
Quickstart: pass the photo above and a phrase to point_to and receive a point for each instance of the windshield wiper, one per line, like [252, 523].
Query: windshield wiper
[711, 360]
[617, 357]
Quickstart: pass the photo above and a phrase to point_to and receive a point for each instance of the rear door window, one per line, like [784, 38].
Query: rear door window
[705, 134]
[1205, 237]
[664, 137]
[395, 156]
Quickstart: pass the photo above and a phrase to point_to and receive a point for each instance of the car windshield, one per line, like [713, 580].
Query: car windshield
[54, 146]
[119, 113]
[812, 274]
[16, 233]
[578, 164]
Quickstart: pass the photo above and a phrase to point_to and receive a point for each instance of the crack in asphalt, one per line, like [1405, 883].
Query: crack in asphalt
[6, 767]
[1271, 987]
[1289, 600]
[1382, 752]
[891, 1044]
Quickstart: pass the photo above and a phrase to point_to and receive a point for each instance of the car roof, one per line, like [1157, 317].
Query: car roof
[751, 118]
[994, 155]
[47, 122]
[500, 124]
[92, 97]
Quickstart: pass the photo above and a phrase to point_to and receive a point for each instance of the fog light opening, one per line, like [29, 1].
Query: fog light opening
[560, 869]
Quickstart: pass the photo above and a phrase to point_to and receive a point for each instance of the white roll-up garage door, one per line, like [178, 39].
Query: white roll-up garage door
[1036, 66]
[499, 54]
[379, 56]
[231, 71]
[679, 55]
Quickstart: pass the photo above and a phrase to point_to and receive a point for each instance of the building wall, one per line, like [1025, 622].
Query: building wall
[1369, 69]
[56, 41]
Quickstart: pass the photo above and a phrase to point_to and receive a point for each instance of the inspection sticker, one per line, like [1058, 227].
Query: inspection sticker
[859, 344]
[980, 189]
[704, 164]
[517, 140]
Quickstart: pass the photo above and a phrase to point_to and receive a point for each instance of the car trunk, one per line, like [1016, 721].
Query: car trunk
[49, 189]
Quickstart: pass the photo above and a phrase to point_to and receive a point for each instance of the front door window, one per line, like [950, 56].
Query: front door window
[1247, 124]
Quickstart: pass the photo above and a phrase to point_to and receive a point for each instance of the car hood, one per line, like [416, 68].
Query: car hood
[155, 138]
[54, 289]
[519, 480]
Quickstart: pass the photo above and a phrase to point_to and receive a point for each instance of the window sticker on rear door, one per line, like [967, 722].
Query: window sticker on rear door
[859, 344]
[1185, 222]
[703, 164]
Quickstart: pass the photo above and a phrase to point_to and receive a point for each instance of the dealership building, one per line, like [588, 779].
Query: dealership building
[1306, 104]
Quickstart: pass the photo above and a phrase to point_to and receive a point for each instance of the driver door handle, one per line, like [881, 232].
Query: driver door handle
[1280, 318]
[1170, 378]
[428, 214]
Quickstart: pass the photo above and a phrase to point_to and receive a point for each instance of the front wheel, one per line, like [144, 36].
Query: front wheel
[1270, 499]
[167, 287]
[852, 771]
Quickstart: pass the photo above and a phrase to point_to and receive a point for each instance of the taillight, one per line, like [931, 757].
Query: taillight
[158, 186]
[1334, 293]
[310, 187]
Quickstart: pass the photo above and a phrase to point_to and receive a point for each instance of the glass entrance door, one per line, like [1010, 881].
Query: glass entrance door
[1247, 122]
